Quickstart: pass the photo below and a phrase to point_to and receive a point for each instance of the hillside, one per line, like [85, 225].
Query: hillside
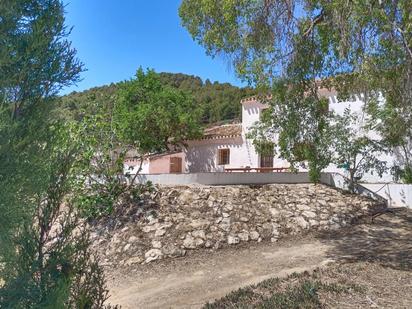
[219, 101]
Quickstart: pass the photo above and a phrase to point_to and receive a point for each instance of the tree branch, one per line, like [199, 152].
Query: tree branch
[317, 20]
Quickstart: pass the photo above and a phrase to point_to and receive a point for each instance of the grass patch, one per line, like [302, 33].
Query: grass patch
[296, 291]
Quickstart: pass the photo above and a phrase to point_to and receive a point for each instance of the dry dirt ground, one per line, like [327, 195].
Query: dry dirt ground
[204, 276]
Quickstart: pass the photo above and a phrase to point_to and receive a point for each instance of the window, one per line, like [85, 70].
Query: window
[223, 156]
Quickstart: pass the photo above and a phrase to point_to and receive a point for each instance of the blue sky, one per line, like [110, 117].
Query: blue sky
[114, 38]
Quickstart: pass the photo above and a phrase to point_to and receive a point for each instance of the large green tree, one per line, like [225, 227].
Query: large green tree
[263, 37]
[45, 261]
[355, 46]
[151, 117]
[35, 62]
[36, 59]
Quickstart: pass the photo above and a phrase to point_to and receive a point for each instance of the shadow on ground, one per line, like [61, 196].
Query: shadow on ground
[387, 241]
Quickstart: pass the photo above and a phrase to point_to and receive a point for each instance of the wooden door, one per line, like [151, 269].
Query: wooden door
[266, 161]
[175, 165]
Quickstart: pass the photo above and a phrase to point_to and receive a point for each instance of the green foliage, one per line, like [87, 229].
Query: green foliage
[45, 258]
[354, 149]
[35, 62]
[77, 105]
[217, 101]
[262, 136]
[46, 249]
[406, 175]
[393, 121]
[301, 125]
[151, 117]
[263, 37]
[264, 147]
[33, 37]
[142, 116]
[352, 46]
[100, 183]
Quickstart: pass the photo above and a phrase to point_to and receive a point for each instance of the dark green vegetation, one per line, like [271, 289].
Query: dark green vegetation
[294, 48]
[45, 261]
[217, 101]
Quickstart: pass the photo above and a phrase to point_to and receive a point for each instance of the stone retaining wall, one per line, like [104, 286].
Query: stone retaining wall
[188, 218]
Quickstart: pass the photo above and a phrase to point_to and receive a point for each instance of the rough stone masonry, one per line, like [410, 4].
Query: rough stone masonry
[188, 218]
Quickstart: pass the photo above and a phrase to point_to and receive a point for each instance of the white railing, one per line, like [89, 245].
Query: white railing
[339, 181]
[397, 195]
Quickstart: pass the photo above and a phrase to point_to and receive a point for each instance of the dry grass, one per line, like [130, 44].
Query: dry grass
[351, 285]
[374, 270]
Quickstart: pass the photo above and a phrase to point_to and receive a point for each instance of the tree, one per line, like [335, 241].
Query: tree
[144, 117]
[263, 37]
[354, 149]
[49, 263]
[393, 121]
[45, 258]
[301, 126]
[36, 58]
[102, 188]
[364, 45]
[218, 101]
[151, 117]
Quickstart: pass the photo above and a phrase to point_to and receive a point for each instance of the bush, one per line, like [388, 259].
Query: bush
[406, 175]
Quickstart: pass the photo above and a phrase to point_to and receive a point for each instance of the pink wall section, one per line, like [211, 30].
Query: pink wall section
[161, 164]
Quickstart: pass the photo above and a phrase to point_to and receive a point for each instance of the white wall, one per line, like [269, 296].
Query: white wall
[251, 114]
[224, 178]
[356, 106]
[202, 155]
[398, 195]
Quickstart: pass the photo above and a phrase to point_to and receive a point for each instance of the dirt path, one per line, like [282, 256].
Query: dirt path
[204, 276]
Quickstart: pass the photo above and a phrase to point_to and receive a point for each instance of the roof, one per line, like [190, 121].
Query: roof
[255, 98]
[322, 91]
[326, 92]
[163, 154]
[223, 131]
[134, 155]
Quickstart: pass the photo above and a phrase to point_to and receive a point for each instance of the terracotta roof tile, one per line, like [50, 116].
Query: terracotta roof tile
[223, 131]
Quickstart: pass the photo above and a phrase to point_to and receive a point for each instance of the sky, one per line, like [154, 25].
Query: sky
[114, 38]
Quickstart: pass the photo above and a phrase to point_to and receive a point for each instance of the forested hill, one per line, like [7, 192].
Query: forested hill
[219, 101]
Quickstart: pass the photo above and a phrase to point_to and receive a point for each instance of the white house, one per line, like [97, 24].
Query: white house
[226, 147]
